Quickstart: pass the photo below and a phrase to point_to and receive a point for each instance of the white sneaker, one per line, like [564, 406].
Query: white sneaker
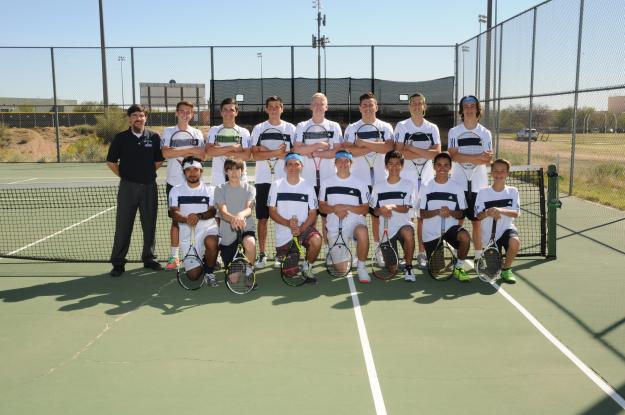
[379, 259]
[409, 277]
[422, 261]
[211, 280]
[363, 276]
[276, 263]
[260, 261]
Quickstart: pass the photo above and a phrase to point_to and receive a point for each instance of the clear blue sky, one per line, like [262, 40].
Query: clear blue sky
[201, 22]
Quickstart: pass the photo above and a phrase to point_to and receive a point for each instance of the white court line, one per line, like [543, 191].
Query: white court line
[22, 181]
[596, 379]
[61, 231]
[378, 400]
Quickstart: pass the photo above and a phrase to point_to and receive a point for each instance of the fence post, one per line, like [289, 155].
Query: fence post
[212, 84]
[373, 70]
[531, 106]
[553, 203]
[56, 109]
[499, 87]
[455, 97]
[292, 84]
[132, 71]
[574, 132]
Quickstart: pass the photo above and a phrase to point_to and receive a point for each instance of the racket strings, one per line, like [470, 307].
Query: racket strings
[339, 260]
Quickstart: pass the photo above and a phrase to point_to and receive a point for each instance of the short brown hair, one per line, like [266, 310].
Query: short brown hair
[184, 103]
[367, 95]
[228, 101]
[502, 161]
[233, 164]
[274, 98]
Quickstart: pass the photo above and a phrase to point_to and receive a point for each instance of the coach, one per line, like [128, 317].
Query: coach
[134, 156]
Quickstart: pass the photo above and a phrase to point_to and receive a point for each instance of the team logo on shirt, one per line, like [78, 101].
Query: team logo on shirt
[303, 198]
[450, 197]
[351, 191]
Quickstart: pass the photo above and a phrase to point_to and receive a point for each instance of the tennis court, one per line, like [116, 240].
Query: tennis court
[76, 340]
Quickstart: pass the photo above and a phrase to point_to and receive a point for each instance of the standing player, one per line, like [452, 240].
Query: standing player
[393, 199]
[234, 200]
[318, 150]
[419, 141]
[500, 202]
[220, 151]
[134, 156]
[361, 148]
[271, 140]
[293, 207]
[442, 199]
[176, 146]
[191, 204]
[346, 197]
[464, 142]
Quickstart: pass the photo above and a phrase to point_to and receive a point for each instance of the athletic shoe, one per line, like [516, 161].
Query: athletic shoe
[461, 275]
[276, 263]
[355, 262]
[379, 259]
[211, 280]
[363, 275]
[311, 280]
[408, 276]
[260, 261]
[508, 276]
[153, 265]
[172, 263]
[117, 270]
[422, 261]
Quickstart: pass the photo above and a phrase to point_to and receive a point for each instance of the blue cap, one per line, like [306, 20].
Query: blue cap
[294, 156]
[343, 154]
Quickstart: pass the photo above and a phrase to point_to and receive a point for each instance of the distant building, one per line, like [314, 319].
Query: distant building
[165, 96]
[9, 104]
[616, 105]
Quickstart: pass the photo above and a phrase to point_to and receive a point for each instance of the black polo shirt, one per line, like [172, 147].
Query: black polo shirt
[136, 155]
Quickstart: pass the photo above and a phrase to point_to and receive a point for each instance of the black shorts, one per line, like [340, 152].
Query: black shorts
[469, 212]
[229, 251]
[451, 236]
[168, 188]
[502, 243]
[304, 240]
[262, 194]
[317, 193]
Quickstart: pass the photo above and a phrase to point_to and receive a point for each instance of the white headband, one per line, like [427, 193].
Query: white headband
[192, 163]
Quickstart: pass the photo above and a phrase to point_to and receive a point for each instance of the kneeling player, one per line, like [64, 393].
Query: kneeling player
[293, 206]
[501, 203]
[440, 200]
[392, 199]
[191, 205]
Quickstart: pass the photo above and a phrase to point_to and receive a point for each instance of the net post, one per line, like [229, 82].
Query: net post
[553, 203]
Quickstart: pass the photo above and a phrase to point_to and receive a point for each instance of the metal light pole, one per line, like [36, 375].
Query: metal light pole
[319, 41]
[465, 49]
[481, 19]
[121, 60]
[262, 94]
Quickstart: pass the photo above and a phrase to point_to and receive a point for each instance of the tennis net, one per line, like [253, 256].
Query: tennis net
[76, 222]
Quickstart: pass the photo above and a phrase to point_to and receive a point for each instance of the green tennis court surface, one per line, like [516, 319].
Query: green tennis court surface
[76, 341]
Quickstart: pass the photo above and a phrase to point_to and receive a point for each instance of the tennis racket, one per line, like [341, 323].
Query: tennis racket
[441, 262]
[227, 136]
[191, 261]
[292, 265]
[469, 143]
[489, 266]
[422, 141]
[370, 132]
[385, 250]
[339, 258]
[182, 138]
[272, 139]
[240, 277]
[314, 134]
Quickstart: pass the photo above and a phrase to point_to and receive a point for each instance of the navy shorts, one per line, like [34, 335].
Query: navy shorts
[229, 251]
[451, 237]
[262, 194]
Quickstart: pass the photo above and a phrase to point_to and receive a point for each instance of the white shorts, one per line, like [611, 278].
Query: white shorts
[185, 244]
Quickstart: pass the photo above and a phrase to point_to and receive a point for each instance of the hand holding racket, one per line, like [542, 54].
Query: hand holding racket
[386, 251]
[314, 134]
[182, 138]
[292, 265]
[489, 266]
[227, 137]
[240, 277]
[469, 143]
[272, 139]
[190, 273]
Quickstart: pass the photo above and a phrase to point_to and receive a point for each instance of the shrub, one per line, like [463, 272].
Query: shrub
[86, 149]
[109, 124]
